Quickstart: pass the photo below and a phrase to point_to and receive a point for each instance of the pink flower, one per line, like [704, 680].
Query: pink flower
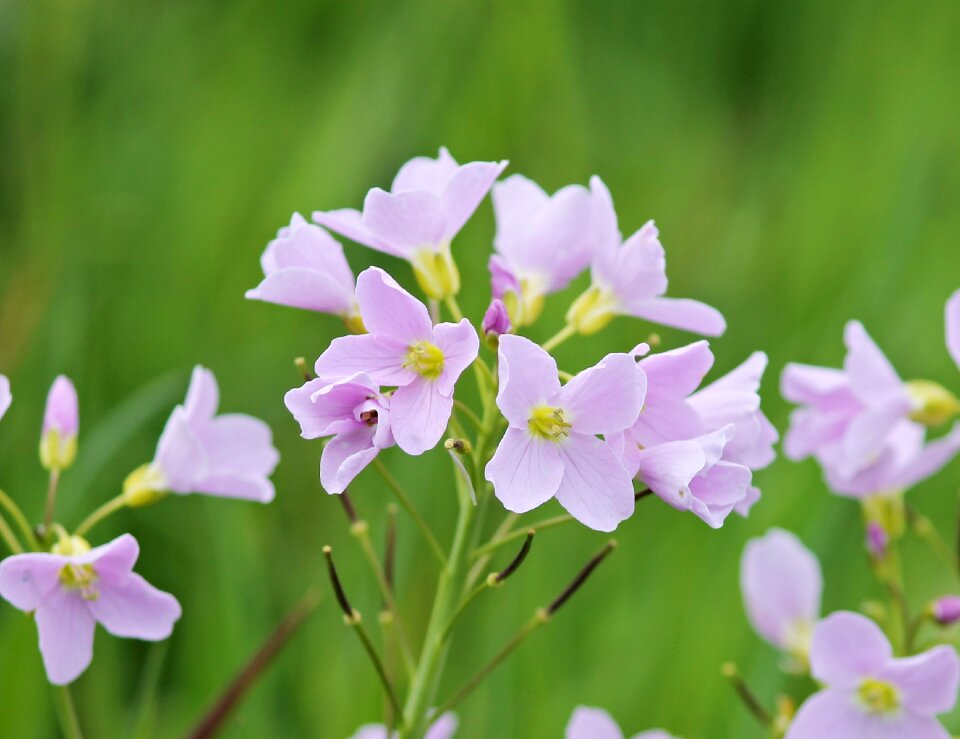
[953, 326]
[946, 610]
[355, 413]
[429, 202]
[305, 268]
[61, 423]
[595, 723]
[542, 243]
[868, 693]
[551, 447]
[230, 455]
[5, 397]
[781, 583]
[496, 320]
[629, 278]
[406, 350]
[443, 728]
[73, 588]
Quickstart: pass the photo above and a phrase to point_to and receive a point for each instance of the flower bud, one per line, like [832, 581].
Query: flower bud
[61, 422]
[436, 272]
[877, 540]
[144, 486]
[496, 321]
[933, 404]
[946, 610]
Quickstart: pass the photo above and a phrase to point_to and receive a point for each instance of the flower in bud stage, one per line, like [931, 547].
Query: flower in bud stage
[870, 693]
[429, 202]
[61, 423]
[443, 728]
[877, 540]
[231, 455]
[542, 243]
[5, 397]
[781, 583]
[406, 350]
[629, 278]
[551, 448]
[355, 413]
[73, 588]
[595, 723]
[496, 321]
[946, 610]
[304, 267]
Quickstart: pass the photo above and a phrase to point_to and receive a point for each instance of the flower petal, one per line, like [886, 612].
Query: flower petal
[678, 372]
[460, 344]
[381, 360]
[668, 468]
[807, 383]
[426, 173]
[595, 489]
[847, 647]
[318, 404]
[26, 579]
[464, 191]
[133, 608]
[297, 287]
[592, 723]
[952, 327]
[929, 461]
[605, 398]
[525, 472]
[830, 714]
[927, 682]
[180, 455]
[5, 397]
[203, 395]
[528, 378]
[344, 457]
[871, 374]
[115, 558]
[66, 635]
[683, 313]
[444, 727]
[407, 221]
[419, 414]
[390, 311]
[349, 222]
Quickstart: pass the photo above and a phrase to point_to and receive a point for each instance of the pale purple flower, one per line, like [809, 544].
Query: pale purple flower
[952, 311]
[946, 610]
[61, 423]
[404, 349]
[782, 584]
[542, 243]
[595, 723]
[354, 413]
[5, 397]
[680, 454]
[73, 588]
[550, 448]
[496, 320]
[304, 267]
[629, 278]
[230, 455]
[868, 692]
[443, 728]
[429, 202]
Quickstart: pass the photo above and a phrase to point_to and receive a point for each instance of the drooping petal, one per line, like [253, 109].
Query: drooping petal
[871, 374]
[684, 313]
[26, 579]
[381, 360]
[927, 682]
[952, 327]
[407, 221]
[525, 471]
[131, 607]
[389, 310]
[605, 398]
[343, 458]
[595, 488]
[66, 635]
[528, 378]
[749, 500]
[592, 723]
[782, 584]
[419, 414]
[830, 714]
[460, 344]
[847, 647]
[317, 404]
[463, 193]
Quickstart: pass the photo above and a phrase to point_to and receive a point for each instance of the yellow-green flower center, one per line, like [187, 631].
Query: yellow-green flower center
[933, 403]
[878, 696]
[436, 272]
[547, 422]
[525, 308]
[593, 310]
[425, 359]
[74, 576]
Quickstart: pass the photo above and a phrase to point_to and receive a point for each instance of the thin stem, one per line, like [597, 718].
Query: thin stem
[468, 412]
[451, 302]
[558, 338]
[20, 520]
[730, 672]
[111, 506]
[411, 510]
[925, 529]
[67, 713]
[51, 498]
[9, 538]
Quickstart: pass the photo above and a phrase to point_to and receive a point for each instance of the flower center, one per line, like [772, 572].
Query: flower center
[369, 417]
[425, 359]
[436, 272]
[74, 576]
[878, 696]
[593, 310]
[548, 423]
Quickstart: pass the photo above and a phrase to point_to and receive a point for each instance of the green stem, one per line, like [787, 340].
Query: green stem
[67, 713]
[51, 498]
[558, 338]
[468, 413]
[13, 544]
[453, 307]
[411, 510]
[111, 506]
[356, 623]
[20, 520]
[498, 541]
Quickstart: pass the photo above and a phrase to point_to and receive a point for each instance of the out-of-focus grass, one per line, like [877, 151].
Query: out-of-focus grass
[801, 160]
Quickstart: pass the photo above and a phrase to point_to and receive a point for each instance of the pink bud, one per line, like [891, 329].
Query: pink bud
[946, 610]
[61, 414]
[877, 540]
[496, 321]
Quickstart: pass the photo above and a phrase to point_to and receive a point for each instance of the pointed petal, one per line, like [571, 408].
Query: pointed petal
[381, 360]
[407, 221]
[683, 313]
[390, 311]
[460, 344]
[605, 398]
[847, 647]
[344, 457]
[528, 378]
[26, 579]
[419, 414]
[927, 682]
[871, 374]
[133, 608]
[465, 190]
[66, 635]
[595, 489]
[525, 472]
[592, 723]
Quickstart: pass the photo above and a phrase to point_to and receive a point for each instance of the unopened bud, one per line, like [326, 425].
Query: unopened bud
[144, 486]
[877, 540]
[61, 423]
[460, 446]
[496, 322]
[933, 404]
[946, 610]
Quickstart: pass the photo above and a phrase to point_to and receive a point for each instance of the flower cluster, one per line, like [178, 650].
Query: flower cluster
[69, 586]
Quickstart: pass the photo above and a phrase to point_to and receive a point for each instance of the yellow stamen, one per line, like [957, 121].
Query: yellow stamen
[74, 576]
[878, 696]
[436, 272]
[593, 310]
[548, 423]
[425, 359]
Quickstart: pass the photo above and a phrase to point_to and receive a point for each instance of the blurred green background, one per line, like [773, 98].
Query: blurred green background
[803, 164]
